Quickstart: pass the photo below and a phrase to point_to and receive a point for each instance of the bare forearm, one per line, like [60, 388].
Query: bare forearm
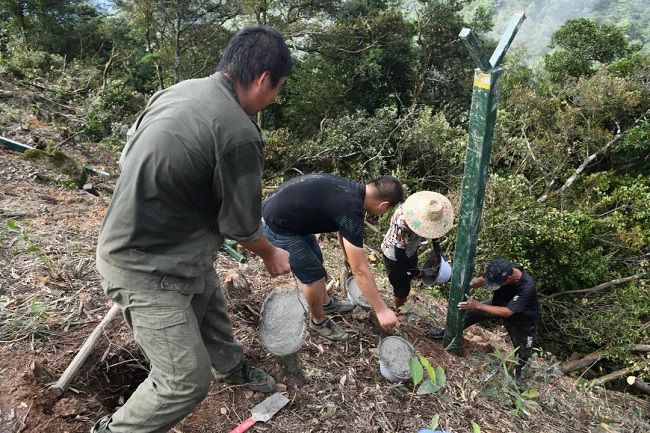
[366, 282]
[262, 247]
[493, 310]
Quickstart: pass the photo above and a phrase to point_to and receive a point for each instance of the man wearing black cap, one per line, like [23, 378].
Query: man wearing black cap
[514, 300]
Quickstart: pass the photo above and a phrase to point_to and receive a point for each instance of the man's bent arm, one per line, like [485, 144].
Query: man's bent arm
[275, 259]
[493, 310]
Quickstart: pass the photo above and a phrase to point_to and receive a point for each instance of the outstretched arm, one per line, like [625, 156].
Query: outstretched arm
[366, 282]
[473, 304]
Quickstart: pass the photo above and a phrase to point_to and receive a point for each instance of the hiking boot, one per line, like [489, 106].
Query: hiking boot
[101, 425]
[254, 378]
[437, 333]
[520, 381]
[338, 307]
[329, 330]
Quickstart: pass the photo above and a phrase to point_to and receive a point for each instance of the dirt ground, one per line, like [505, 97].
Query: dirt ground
[50, 301]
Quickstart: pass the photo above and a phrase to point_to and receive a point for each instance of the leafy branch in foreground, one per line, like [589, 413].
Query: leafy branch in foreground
[508, 392]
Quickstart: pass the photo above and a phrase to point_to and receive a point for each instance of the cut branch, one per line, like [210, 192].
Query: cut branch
[638, 383]
[599, 287]
[582, 167]
[614, 375]
[581, 363]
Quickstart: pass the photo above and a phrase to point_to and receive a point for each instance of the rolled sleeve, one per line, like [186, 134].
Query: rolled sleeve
[238, 190]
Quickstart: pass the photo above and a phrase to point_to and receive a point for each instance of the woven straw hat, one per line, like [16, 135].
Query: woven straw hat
[428, 214]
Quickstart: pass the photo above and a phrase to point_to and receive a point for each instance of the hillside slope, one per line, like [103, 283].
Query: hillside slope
[50, 301]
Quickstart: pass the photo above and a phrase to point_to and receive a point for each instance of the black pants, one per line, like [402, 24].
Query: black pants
[521, 335]
[401, 272]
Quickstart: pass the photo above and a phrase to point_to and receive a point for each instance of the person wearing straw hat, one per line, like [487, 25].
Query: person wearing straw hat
[424, 215]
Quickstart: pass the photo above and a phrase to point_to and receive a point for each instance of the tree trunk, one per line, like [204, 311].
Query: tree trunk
[584, 362]
[177, 50]
[581, 168]
[599, 287]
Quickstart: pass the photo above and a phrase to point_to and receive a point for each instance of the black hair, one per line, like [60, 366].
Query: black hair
[388, 189]
[253, 51]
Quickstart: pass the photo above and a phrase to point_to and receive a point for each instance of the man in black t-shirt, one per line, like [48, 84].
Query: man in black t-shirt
[324, 203]
[514, 300]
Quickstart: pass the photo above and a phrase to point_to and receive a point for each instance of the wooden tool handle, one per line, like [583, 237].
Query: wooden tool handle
[83, 353]
[241, 428]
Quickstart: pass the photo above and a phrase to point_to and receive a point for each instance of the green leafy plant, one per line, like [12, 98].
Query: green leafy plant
[24, 321]
[437, 378]
[435, 421]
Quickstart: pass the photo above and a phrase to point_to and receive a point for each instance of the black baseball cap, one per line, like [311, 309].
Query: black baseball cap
[497, 272]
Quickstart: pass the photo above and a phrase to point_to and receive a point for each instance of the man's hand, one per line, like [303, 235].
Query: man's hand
[275, 259]
[388, 319]
[469, 304]
[477, 282]
[277, 262]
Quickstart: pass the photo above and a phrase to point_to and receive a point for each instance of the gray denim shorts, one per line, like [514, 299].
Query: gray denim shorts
[305, 256]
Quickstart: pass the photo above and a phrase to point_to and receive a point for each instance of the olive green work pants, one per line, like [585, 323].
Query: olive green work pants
[182, 335]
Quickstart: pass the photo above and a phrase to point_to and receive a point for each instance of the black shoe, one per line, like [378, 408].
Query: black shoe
[437, 333]
[520, 381]
[254, 378]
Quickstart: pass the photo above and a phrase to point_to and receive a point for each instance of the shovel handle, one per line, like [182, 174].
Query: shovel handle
[241, 428]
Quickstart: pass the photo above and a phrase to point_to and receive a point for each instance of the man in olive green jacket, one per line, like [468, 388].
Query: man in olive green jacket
[191, 176]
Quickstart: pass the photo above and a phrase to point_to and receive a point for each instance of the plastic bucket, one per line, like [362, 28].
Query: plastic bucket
[394, 355]
[354, 294]
[444, 274]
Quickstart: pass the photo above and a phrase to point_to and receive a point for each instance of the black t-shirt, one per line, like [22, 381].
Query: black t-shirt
[520, 298]
[317, 203]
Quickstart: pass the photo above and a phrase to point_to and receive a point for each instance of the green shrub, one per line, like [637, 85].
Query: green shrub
[24, 63]
[111, 105]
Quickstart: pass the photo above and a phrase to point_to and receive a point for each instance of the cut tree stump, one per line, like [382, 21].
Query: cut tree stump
[292, 368]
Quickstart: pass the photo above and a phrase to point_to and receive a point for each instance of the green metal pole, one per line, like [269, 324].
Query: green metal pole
[477, 159]
[14, 145]
[482, 119]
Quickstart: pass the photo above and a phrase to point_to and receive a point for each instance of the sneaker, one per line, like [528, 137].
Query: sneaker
[437, 333]
[338, 307]
[329, 330]
[254, 378]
